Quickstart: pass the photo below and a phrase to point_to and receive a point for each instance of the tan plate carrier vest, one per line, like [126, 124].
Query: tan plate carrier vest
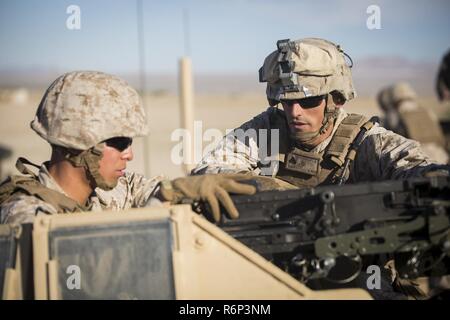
[331, 166]
[421, 127]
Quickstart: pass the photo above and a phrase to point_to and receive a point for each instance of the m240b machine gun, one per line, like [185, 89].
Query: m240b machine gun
[325, 232]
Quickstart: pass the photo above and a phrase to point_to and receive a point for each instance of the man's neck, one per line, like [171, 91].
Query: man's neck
[317, 140]
[72, 180]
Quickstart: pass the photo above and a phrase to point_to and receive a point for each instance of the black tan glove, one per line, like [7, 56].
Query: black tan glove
[212, 189]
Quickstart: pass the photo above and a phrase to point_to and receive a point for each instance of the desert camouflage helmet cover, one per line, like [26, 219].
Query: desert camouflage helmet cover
[390, 96]
[402, 91]
[83, 108]
[305, 68]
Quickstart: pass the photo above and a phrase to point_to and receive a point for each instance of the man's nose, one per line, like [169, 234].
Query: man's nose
[297, 110]
[127, 154]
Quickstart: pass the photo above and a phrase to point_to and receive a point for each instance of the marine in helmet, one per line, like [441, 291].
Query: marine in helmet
[311, 140]
[90, 119]
[404, 115]
[308, 82]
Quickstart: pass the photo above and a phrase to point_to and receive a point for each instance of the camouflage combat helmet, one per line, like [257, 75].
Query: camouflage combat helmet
[402, 91]
[390, 97]
[81, 109]
[305, 68]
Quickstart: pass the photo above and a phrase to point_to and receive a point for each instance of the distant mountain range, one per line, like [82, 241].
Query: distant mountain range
[370, 74]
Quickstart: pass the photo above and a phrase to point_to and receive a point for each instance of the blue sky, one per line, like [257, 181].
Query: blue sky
[225, 36]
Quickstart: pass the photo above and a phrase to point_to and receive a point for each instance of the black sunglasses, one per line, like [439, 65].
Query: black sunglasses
[119, 143]
[305, 103]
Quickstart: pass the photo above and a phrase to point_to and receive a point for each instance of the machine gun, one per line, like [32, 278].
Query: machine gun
[325, 232]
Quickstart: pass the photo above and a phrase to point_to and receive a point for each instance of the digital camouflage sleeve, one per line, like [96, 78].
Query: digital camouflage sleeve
[133, 190]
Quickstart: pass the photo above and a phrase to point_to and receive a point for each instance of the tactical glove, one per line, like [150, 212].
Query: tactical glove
[209, 188]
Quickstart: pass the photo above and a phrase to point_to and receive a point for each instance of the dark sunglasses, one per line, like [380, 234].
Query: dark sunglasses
[119, 143]
[305, 103]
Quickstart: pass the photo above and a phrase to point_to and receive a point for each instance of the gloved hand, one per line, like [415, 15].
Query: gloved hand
[213, 188]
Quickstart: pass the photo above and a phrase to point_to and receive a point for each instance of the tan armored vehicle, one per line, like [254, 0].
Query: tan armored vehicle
[149, 253]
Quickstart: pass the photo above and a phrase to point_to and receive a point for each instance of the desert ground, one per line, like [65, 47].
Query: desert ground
[219, 111]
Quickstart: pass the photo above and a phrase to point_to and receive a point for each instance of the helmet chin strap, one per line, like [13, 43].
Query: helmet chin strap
[308, 139]
[90, 160]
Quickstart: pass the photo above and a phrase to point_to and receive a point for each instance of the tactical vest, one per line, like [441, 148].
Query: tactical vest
[331, 166]
[421, 127]
[29, 184]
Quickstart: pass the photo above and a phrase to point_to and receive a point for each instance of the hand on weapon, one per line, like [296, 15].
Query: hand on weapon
[213, 189]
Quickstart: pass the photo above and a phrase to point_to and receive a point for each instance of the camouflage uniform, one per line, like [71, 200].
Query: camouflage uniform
[79, 111]
[132, 190]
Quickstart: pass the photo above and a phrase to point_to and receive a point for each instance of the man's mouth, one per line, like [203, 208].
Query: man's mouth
[299, 124]
[121, 172]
